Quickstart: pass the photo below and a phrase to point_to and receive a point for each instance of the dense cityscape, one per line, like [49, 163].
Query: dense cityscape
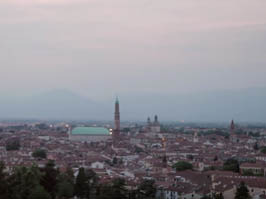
[130, 160]
[132, 99]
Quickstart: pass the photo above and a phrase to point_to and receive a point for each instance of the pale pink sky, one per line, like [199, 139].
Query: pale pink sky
[132, 45]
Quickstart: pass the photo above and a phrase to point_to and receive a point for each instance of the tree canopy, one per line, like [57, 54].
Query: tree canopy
[263, 149]
[231, 165]
[182, 166]
[39, 153]
[242, 192]
[49, 183]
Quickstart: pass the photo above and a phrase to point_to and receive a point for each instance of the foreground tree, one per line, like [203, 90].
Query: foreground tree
[39, 193]
[65, 186]
[206, 197]
[23, 181]
[242, 192]
[3, 182]
[218, 196]
[114, 190]
[86, 183]
[65, 190]
[146, 189]
[49, 179]
[119, 188]
[80, 186]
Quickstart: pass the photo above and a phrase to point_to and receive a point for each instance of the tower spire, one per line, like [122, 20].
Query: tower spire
[117, 117]
[232, 126]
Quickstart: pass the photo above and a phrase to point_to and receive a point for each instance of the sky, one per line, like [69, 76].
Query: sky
[102, 48]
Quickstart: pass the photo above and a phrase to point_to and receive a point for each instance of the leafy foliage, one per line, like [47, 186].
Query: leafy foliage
[242, 192]
[48, 183]
[39, 193]
[65, 190]
[147, 189]
[39, 153]
[256, 146]
[49, 179]
[213, 196]
[13, 145]
[86, 182]
[263, 149]
[182, 166]
[3, 184]
[231, 165]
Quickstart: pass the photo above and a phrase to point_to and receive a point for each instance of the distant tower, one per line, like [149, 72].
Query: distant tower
[232, 127]
[196, 138]
[155, 126]
[156, 119]
[149, 121]
[233, 135]
[117, 117]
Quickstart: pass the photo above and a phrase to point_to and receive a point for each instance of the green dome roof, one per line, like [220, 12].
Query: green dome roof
[90, 131]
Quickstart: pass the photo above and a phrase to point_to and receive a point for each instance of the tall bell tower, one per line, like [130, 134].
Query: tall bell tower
[117, 118]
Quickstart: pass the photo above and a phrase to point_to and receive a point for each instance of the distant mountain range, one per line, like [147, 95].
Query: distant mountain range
[241, 105]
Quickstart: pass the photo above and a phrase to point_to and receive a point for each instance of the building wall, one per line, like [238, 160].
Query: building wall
[156, 129]
[89, 138]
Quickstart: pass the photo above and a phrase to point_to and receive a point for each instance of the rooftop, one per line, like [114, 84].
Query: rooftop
[90, 131]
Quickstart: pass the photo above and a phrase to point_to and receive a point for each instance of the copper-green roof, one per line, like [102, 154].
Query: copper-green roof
[90, 131]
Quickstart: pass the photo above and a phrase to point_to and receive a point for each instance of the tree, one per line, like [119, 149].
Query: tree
[138, 149]
[13, 144]
[22, 181]
[231, 165]
[39, 153]
[39, 193]
[50, 178]
[206, 197]
[114, 190]
[104, 191]
[86, 183]
[256, 146]
[263, 149]
[65, 190]
[182, 166]
[242, 192]
[118, 187]
[80, 186]
[3, 182]
[190, 157]
[92, 182]
[217, 196]
[215, 158]
[147, 189]
[65, 186]
[213, 196]
[248, 172]
[115, 160]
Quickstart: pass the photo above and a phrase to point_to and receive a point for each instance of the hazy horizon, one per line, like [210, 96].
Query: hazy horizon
[244, 105]
[99, 49]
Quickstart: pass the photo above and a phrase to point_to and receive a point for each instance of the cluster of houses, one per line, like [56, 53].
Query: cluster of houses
[150, 153]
